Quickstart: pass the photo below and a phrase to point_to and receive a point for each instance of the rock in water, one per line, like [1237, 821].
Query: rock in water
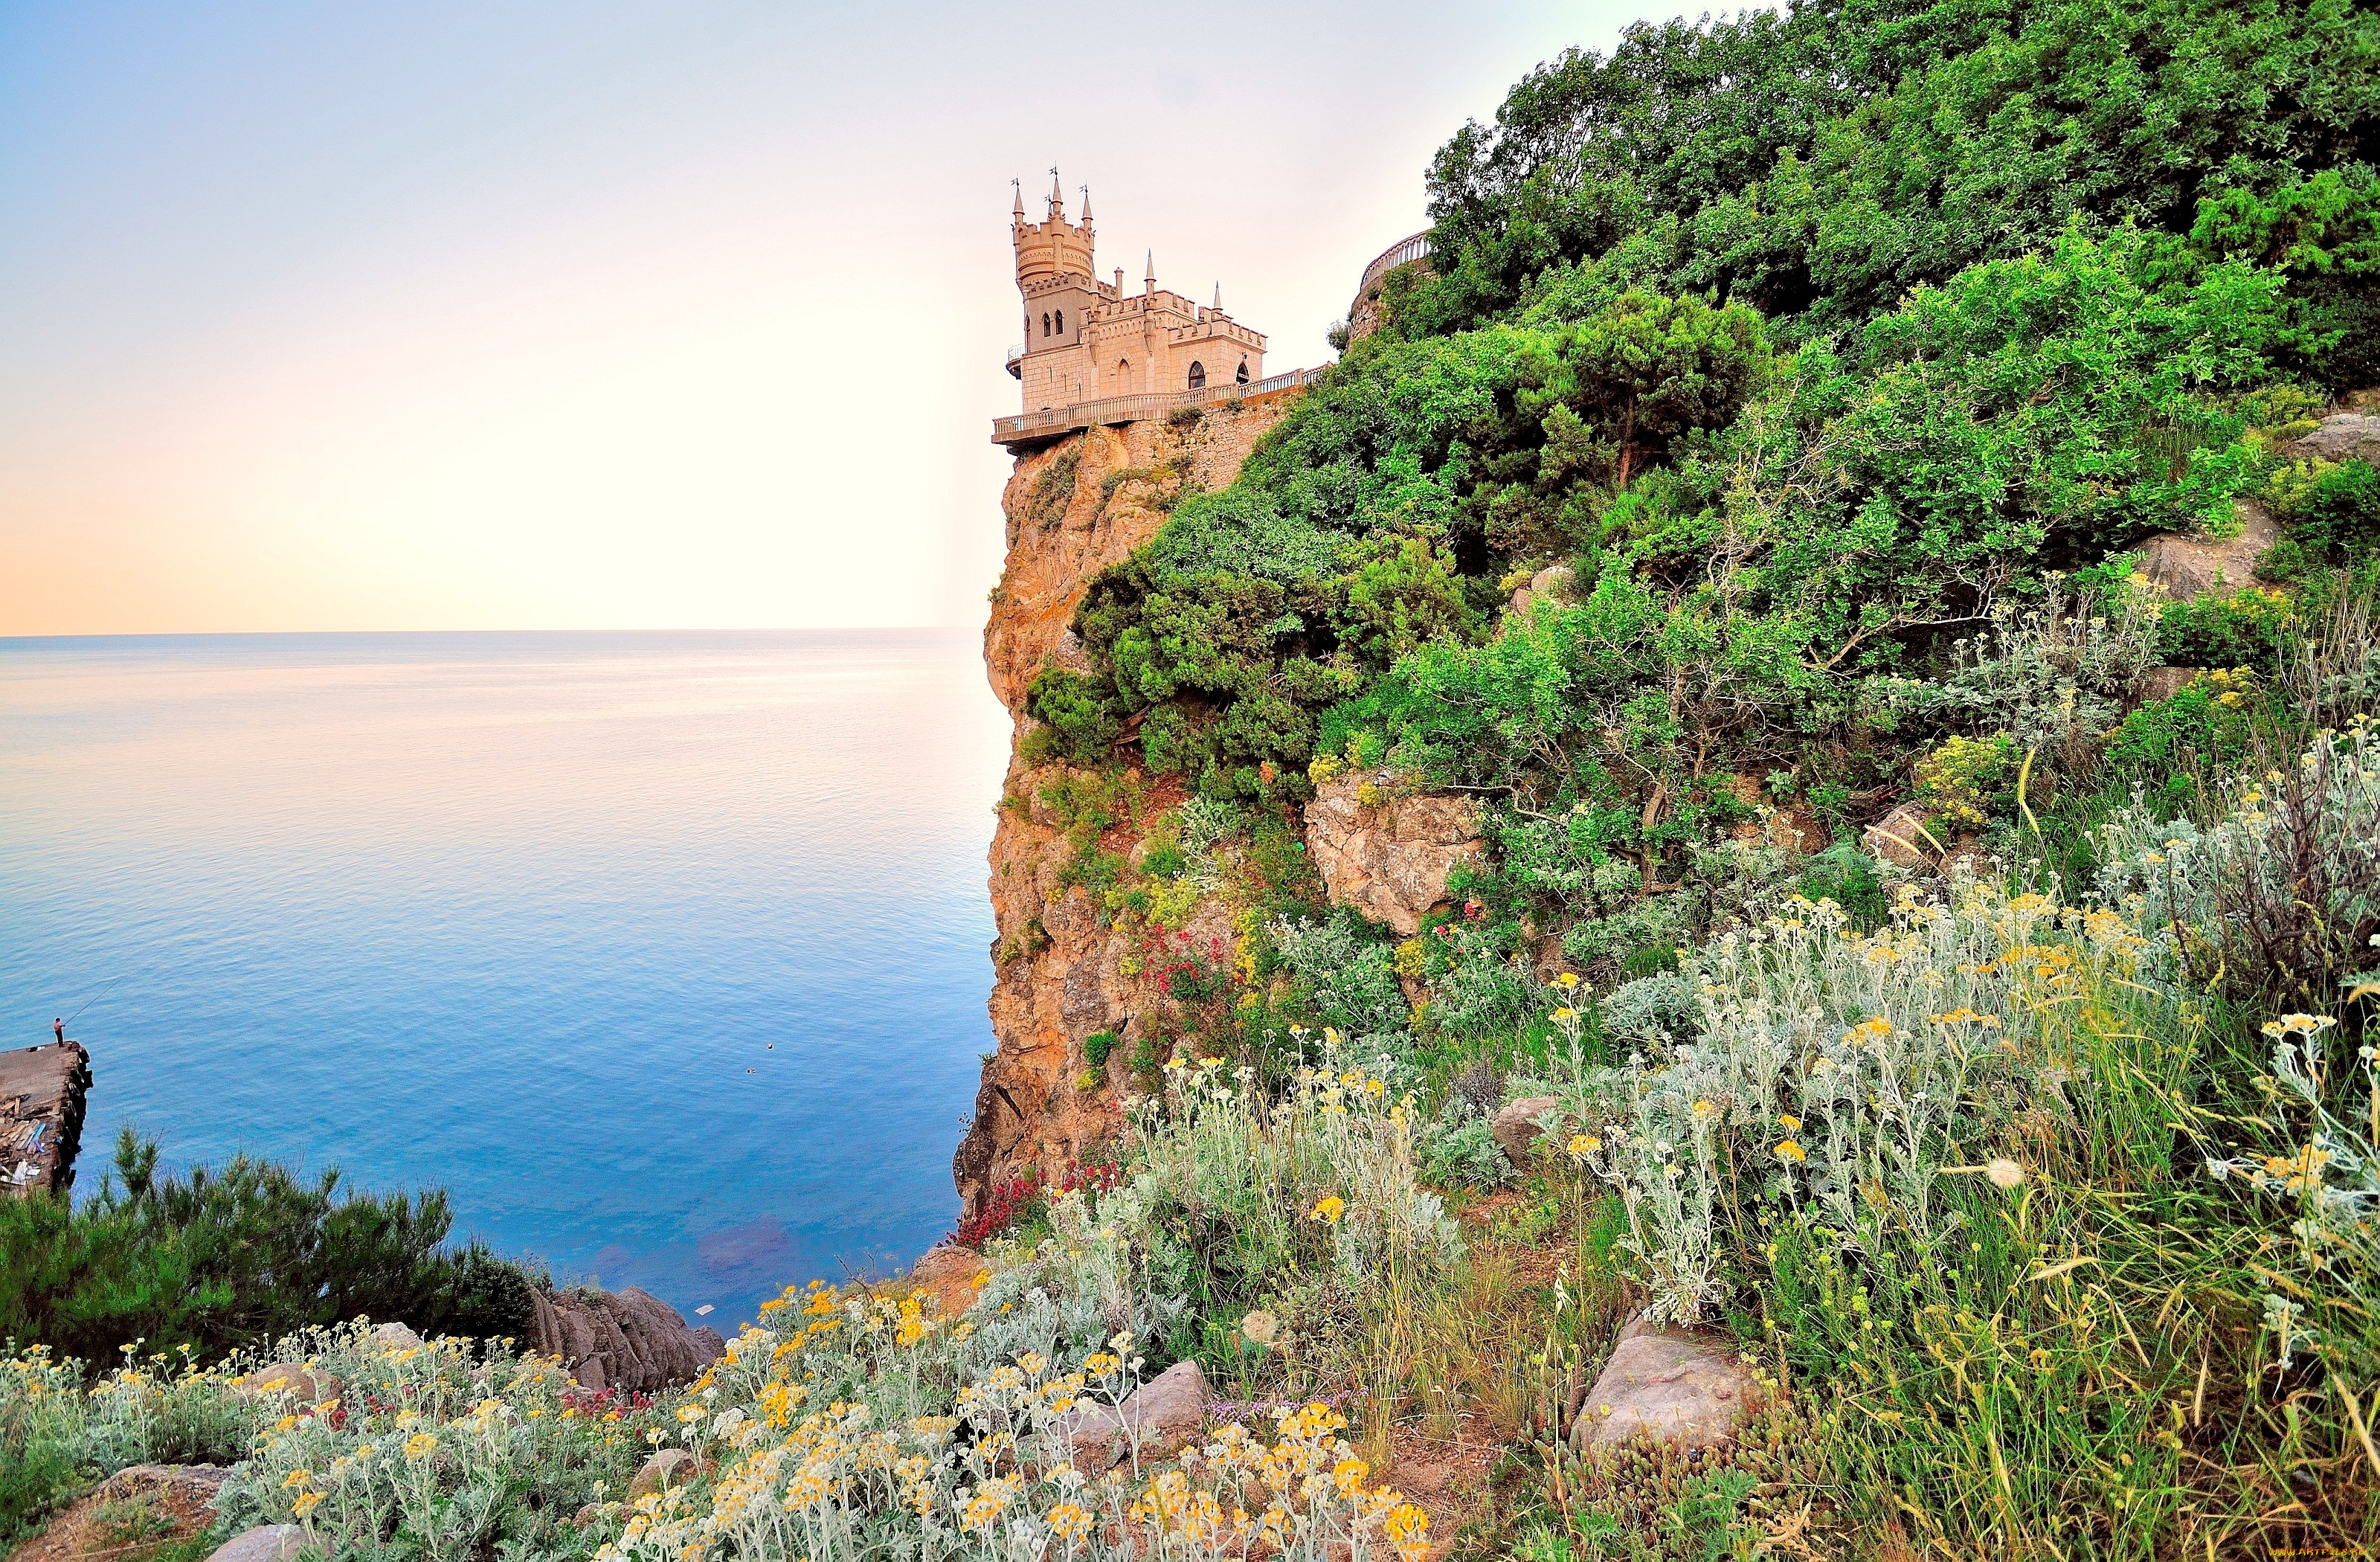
[1689, 1387]
[1515, 1127]
[1166, 1414]
[266, 1542]
[1388, 857]
[627, 1339]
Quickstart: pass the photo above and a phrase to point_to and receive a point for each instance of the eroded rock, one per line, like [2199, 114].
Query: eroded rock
[1515, 1127]
[195, 1484]
[266, 1542]
[288, 1380]
[1687, 1387]
[396, 1337]
[2163, 683]
[1387, 855]
[950, 1275]
[2344, 437]
[2188, 567]
[667, 1468]
[1165, 1415]
[627, 1339]
[1900, 838]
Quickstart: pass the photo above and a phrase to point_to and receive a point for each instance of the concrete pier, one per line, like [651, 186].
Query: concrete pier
[42, 1091]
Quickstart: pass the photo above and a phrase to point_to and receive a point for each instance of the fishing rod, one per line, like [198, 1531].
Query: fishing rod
[103, 991]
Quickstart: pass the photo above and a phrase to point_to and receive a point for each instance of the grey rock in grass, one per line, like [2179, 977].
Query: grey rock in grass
[395, 1336]
[627, 1339]
[1515, 1127]
[667, 1468]
[198, 1483]
[2344, 437]
[1387, 858]
[2163, 683]
[287, 1380]
[1165, 1415]
[1900, 838]
[266, 1542]
[2188, 566]
[1685, 1386]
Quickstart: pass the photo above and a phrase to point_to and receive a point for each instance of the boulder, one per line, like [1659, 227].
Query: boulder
[950, 1275]
[2190, 566]
[266, 1542]
[286, 1380]
[1689, 1387]
[1553, 581]
[1389, 857]
[395, 1336]
[627, 1339]
[2343, 436]
[195, 1484]
[667, 1468]
[1515, 1127]
[2163, 683]
[1900, 838]
[1789, 828]
[1167, 1413]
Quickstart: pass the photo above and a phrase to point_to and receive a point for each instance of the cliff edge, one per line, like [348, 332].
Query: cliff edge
[1064, 974]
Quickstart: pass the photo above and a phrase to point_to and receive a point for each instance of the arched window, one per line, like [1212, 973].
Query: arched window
[1123, 373]
[1062, 323]
[1045, 324]
[1197, 376]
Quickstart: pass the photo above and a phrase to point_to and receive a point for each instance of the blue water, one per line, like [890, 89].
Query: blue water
[665, 954]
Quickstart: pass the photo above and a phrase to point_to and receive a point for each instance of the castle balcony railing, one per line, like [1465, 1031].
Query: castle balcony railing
[1403, 252]
[1053, 421]
[1016, 362]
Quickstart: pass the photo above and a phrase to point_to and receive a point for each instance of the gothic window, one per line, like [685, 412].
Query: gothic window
[1124, 373]
[1062, 323]
[1242, 377]
[1045, 324]
[1197, 376]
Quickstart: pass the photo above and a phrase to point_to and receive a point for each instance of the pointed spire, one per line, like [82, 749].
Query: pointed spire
[1086, 206]
[1020, 198]
[1057, 196]
[1219, 297]
[1148, 283]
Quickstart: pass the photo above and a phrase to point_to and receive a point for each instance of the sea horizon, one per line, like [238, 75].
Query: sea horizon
[663, 951]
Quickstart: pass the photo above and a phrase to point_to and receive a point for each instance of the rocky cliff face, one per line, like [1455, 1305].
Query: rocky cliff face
[1063, 973]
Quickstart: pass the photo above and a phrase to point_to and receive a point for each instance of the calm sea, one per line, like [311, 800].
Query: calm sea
[665, 954]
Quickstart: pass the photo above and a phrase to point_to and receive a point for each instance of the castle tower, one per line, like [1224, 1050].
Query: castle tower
[1087, 341]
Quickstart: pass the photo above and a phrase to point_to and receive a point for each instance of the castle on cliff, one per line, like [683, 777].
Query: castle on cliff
[1086, 340]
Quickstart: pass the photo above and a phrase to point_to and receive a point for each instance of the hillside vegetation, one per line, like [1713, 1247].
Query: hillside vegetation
[1824, 376]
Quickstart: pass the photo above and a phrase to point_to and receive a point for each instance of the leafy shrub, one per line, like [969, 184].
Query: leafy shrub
[1840, 1073]
[1966, 783]
[2248, 627]
[2281, 894]
[220, 1260]
[1096, 1047]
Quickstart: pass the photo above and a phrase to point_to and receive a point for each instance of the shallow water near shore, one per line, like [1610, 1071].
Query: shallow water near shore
[665, 954]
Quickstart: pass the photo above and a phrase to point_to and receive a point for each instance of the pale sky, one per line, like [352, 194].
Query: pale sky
[685, 315]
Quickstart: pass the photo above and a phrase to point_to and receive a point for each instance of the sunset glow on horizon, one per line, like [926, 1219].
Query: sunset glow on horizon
[621, 317]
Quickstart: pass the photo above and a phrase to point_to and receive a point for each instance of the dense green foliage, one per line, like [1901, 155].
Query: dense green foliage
[220, 1260]
[1839, 364]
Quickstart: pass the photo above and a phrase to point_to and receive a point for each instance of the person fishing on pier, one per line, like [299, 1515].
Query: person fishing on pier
[58, 1029]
